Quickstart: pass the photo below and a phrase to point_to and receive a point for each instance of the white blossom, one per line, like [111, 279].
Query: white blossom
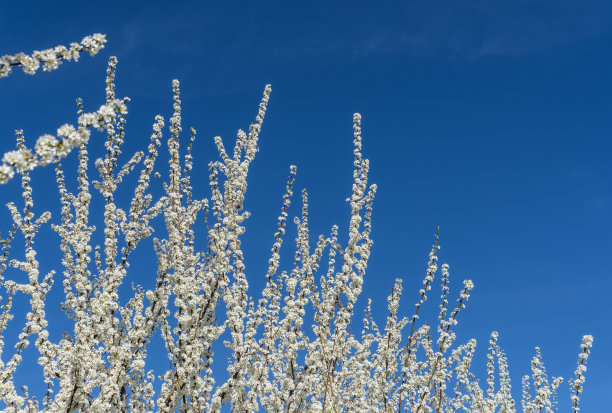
[51, 58]
[296, 347]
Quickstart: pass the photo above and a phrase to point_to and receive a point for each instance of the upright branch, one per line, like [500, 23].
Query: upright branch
[295, 347]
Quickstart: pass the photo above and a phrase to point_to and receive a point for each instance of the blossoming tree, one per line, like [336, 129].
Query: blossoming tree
[278, 361]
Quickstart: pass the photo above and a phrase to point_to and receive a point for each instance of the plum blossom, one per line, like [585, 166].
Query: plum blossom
[51, 58]
[300, 345]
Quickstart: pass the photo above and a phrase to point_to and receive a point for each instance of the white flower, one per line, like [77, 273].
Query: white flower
[6, 173]
[65, 130]
[468, 284]
[46, 148]
[107, 112]
[22, 159]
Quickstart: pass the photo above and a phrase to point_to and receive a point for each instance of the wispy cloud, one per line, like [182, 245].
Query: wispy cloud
[226, 41]
[478, 28]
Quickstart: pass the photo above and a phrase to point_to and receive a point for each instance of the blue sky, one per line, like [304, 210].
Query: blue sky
[490, 119]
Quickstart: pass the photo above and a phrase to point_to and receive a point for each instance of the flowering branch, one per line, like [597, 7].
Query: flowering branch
[49, 149]
[292, 349]
[51, 58]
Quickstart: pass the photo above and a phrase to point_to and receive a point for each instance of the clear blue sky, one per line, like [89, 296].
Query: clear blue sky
[491, 119]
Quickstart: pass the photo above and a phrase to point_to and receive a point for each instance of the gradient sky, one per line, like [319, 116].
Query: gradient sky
[490, 119]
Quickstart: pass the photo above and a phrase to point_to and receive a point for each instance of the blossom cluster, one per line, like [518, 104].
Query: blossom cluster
[296, 347]
[50, 59]
[48, 148]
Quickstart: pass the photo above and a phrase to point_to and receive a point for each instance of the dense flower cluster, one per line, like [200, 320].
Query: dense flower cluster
[50, 59]
[48, 148]
[295, 348]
